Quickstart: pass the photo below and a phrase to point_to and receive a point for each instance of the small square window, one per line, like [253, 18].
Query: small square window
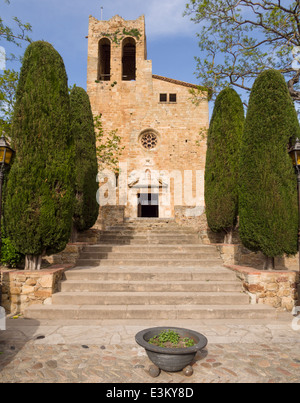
[173, 98]
[163, 98]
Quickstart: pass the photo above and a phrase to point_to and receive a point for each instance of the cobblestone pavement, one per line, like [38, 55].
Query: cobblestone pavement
[218, 363]
[107, 353]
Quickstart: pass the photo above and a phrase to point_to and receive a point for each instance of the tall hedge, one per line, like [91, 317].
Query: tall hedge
[39, 193]
[86, 168]
[268, 190]
[222, 162]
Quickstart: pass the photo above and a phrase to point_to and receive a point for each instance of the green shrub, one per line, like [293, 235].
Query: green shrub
[9, 255]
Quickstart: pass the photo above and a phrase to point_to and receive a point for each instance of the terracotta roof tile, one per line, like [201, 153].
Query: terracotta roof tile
[178, 82]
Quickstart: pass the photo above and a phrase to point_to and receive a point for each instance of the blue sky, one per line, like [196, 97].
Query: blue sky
[171, 38]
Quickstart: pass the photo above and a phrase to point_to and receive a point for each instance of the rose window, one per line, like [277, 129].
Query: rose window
[149, 140]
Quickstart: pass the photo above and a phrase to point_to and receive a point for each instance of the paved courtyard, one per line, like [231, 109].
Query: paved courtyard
[106, 352]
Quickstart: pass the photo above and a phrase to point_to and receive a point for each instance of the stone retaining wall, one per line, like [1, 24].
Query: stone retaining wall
[110, 216]
[237, 254]
[195, 218]
[21, 289]
[68, 256]
[278, 289]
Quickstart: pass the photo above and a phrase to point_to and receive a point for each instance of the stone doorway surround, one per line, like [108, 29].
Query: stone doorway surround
[138, 188]
[148, 205]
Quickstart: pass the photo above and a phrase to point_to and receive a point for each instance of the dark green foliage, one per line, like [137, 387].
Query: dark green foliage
[222, 160]
[39, 193]
[9, 255]
[268, 190]
[86, 167]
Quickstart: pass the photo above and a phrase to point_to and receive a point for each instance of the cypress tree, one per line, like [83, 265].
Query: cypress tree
[222, 160]
[39, 193]
[86, 208]
[268, 191]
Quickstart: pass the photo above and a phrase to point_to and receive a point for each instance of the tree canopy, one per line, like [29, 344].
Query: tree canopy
[241, 38]
[86, 168]
[8, 87]
[268, 207]
[222, 162]
[14, 35]
[39, 193]
[9, 78]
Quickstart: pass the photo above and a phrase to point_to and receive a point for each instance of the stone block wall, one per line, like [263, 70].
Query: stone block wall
[110, 216]
[195, 218]
[21, 289]
[278, 289]
[68, 256]
[237, 254]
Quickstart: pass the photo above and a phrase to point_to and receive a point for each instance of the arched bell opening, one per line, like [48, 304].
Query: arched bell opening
[129, 59]
[104, 56]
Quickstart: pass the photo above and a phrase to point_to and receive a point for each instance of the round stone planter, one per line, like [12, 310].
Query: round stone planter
[171, 359]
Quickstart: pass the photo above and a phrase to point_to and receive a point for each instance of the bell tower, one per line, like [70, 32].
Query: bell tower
[117, 51]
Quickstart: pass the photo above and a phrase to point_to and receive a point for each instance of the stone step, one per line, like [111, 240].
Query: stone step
[145, 231]
[150, 274]
[187, 248]
[150, 286]
[138, 239]
[144, 240]
[150, 220]
[143, 234]
[150, 298]
[149, 269]
[118, 255]
[149, 234]
[158, 229]
[149, 262]
[138, 230]
[197, 312]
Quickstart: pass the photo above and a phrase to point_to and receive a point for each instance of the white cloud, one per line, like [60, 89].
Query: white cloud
[163, 17]
[166, 18]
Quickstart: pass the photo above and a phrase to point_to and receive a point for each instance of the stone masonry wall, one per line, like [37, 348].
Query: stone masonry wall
[275, 288]
[110, 216]
[21, 289]
[237, 254]
[68, 256]
[195, 217]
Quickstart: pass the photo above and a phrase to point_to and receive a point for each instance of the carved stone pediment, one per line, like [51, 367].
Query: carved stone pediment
[148, 179]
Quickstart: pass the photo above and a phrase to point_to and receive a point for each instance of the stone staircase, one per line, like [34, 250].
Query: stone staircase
[149, 269]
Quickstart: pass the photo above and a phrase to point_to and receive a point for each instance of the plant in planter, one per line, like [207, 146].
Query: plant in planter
[171, 349]
[171, 339]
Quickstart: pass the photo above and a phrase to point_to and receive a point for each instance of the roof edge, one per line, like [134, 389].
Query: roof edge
[178, 82]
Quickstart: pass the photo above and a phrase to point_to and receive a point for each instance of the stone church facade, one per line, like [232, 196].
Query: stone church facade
[160, 125]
